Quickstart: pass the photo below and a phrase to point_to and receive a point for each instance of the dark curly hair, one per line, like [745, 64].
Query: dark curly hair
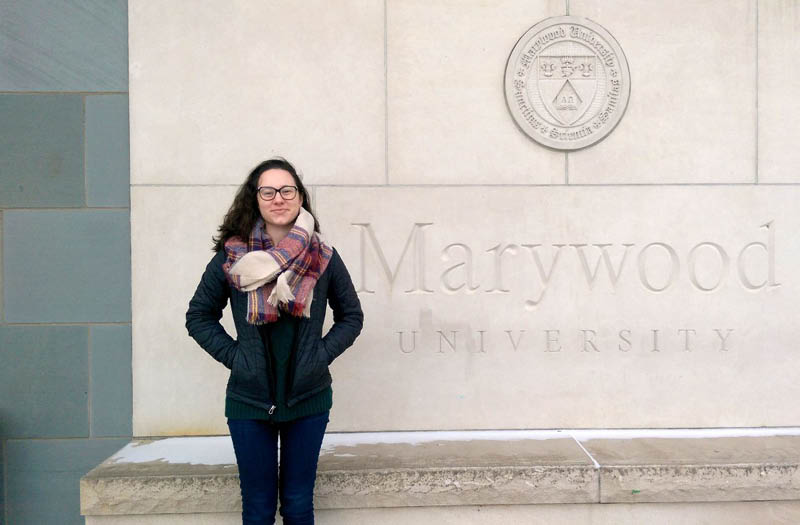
[243, 213]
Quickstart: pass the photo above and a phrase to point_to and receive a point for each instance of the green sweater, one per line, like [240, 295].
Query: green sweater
[281, 337]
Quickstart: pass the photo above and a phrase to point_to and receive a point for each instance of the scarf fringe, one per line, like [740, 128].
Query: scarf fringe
[281, 294]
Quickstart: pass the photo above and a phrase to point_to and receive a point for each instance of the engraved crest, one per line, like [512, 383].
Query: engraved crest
[567, 83]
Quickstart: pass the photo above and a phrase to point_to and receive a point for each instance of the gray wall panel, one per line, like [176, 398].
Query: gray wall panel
[43, 377]
[41, 150]
[44, 475]
[111, 396]
[107, 156]
[81, 45]
[68, 266]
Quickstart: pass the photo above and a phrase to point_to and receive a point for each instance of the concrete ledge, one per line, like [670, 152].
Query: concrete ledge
[691, 470]
[721, 513]
[199, 475]
[156, 491]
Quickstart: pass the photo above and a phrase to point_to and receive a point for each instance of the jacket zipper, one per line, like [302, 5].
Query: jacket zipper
[293, 360]
[264, 336]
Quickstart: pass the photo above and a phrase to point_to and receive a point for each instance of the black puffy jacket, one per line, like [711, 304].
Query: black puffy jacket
[246, 356]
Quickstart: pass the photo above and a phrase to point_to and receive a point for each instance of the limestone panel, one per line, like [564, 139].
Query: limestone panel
[177, 388]
[567, 307]
[692, 110]
[587, 307]
[217, 87]
[778, 85]
[447, 117]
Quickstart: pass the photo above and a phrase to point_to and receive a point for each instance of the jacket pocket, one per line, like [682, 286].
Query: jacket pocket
[320, 359]
[312, 368]
[235, 366]
[233, 355]
[323, 353]
[248, 373]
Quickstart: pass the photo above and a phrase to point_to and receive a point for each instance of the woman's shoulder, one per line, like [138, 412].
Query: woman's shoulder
[214, 266]
[218, 258]
[335, 263]
[337, 270]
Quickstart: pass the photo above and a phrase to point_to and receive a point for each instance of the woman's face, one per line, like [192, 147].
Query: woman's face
[278, 211]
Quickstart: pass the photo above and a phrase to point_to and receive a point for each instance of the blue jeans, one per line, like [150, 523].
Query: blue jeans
[255, 443]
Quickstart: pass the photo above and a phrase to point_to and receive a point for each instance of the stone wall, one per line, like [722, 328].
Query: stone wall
[65, 314]
[645, 281]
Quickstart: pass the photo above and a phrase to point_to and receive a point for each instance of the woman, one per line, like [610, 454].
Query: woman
[279, 275]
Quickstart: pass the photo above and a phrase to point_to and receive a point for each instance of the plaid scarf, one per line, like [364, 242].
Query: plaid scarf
[277, 276]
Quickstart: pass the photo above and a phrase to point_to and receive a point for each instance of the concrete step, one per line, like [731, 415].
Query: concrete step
[190, 475]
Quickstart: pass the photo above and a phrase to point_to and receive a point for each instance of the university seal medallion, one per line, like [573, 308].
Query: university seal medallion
[567, 83]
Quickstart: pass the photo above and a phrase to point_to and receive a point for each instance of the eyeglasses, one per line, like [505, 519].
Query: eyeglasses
[268, 193]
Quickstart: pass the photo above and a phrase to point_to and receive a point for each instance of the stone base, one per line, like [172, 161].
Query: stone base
[480, 477]
[737, 513]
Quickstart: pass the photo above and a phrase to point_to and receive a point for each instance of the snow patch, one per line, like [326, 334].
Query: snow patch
[206, 450]
[331, 441]
[682, 433]
[218, 450]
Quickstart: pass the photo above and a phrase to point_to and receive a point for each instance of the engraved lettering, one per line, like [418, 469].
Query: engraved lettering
[552, 340]
[414, 342]
[417, 237]
[658, 265]
[589, 37]
[451, 344]
[724, 259]
[770, 250]
[613, 275]
[481, 349]
[723, 339]
[587, 340]
[585, 131]
[687, 340]
[674, 270]
[685, 331]
[515, 344]
[468, 278]
[527, 113]
[613, 98]
[499, 250]
[655, 341]
[544, 276]
[626, 340]
[550, 36]
[525, 61]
